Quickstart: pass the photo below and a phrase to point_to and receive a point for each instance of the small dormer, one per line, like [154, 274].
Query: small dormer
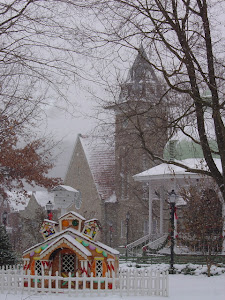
[92, 229]
[48, 228]
[71, 220]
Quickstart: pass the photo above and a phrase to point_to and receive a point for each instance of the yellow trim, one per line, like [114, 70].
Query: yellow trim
[99, 258]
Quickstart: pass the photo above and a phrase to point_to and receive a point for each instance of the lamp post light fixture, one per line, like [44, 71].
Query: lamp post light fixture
[49, 207]
[127, 225]
[172, 201]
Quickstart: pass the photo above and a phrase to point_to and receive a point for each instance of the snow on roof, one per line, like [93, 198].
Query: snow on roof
[71, 240]
[101, 159]
[168, 171]
[73, 213]
[107, 248]
[18, 200]
[65, 187]
[112, 198]
[50, 221]
[75, 232]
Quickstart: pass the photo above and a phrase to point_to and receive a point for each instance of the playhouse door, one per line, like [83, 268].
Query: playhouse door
[68, 265]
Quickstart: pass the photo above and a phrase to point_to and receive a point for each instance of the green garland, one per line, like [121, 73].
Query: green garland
[159, 247]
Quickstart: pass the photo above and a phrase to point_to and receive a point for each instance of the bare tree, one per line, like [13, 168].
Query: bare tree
[187, 52]
[39, 43]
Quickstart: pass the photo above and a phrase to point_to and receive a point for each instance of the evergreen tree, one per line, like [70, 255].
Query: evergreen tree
[7, 257]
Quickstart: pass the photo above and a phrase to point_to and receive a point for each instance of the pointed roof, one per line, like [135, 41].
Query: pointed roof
[74, 234]
[141, 69]
[73, 213]
[70, 241]
[101, 160]
[142, 82]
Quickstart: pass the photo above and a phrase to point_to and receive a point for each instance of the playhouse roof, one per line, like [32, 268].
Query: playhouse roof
[73, 234]
[51, 221]
[73, 213]
[66, 238]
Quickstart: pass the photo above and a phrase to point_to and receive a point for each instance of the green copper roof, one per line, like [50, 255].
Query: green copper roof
[184, 149]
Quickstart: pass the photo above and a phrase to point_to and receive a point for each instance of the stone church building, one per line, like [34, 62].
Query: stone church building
[103, 173]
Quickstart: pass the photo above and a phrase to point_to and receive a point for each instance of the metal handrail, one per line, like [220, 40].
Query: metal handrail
[138, 242]
[151, 237]
[156, 242]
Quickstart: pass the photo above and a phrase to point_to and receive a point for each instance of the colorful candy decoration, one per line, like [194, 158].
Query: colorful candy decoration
[84, 243]
[91, 247]
[65, 223]
[79, 240]
[32, 253]
[75, 222]
[104, 254]
[44, 247]
[47, 229]
[38, 250]
[98, 250]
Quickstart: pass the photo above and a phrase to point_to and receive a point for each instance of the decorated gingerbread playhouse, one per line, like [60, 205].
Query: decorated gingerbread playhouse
[71, 246]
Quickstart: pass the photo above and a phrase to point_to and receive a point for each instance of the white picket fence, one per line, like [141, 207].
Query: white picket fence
[129, 282]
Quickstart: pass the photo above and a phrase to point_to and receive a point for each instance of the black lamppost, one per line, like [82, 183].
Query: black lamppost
[110, 232]
[49, 207]
[127, 225]
[172, 201]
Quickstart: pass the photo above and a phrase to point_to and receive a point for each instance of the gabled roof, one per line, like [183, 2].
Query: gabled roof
[73, 233]
[101, 160]
[75, 214]
[70, 241]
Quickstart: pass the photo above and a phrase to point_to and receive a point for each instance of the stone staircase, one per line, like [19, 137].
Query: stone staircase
[153, 240]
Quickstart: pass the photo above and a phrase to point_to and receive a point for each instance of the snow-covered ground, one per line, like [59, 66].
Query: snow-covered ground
[181, 287]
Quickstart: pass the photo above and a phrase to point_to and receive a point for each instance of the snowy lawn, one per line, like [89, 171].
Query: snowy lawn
[181, 287]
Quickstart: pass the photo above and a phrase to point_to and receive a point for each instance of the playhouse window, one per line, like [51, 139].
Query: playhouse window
[38, 267]
[68, 263]
[98, 268]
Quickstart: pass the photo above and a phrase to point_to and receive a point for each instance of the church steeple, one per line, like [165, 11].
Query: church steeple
[141, 69]
[142, 82]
